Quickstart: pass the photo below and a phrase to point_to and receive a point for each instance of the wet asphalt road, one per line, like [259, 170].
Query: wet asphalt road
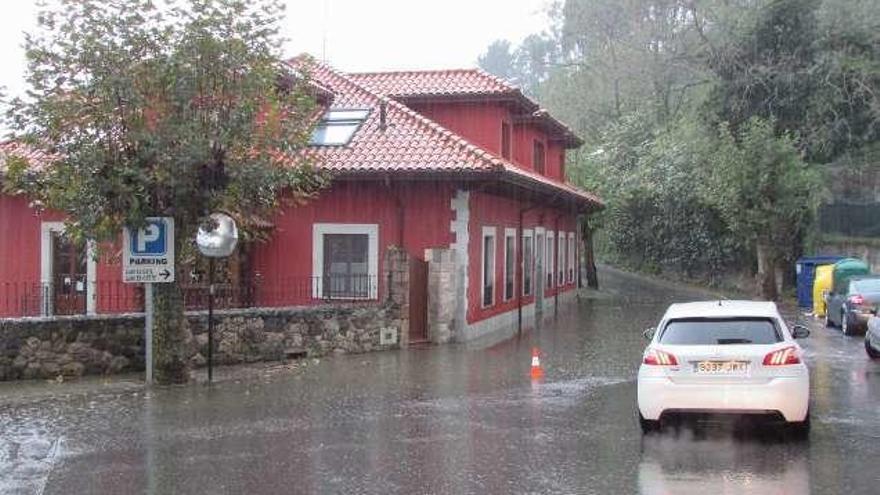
[451, 419]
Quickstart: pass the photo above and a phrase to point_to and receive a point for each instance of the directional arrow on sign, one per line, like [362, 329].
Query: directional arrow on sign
[165, 274]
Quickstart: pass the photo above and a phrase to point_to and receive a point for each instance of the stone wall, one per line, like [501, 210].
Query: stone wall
[81, 345]
[442, 291]
[397, 280]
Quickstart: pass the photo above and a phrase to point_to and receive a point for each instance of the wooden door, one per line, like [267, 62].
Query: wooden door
[69, 279]
[418, 301]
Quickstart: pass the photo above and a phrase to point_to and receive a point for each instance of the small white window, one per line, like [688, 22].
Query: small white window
[488, 267]
[346, 261]
[572, 257]
[551, 253]
[509, 263]
[560, 260]
[528, 262]
[338, 126]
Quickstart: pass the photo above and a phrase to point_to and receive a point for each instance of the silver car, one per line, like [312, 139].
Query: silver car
[872, 338]
[851, 309]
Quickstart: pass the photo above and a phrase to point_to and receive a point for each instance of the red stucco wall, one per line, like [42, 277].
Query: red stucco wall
[19, 252]
[284, 264]
[487, 210]
[478, 122]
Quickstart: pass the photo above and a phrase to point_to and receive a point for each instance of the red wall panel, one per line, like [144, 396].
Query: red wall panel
[478, 122]
[487, 210]
[19, 253]
[284, 263]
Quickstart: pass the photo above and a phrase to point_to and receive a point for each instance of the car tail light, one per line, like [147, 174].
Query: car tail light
[656, 357]
[782, 357]
[857, 300]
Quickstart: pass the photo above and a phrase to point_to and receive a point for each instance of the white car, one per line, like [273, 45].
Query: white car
[724, 357]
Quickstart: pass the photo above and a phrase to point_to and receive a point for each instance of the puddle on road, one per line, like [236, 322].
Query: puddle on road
[27, 456]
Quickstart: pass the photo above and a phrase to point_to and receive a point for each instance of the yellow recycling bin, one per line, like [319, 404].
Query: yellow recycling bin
[821, 285]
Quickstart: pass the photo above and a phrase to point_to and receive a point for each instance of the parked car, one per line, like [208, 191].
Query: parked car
[851, 307]
[872, 337]
[729, 357]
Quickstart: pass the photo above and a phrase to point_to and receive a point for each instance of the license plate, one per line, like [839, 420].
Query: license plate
[721, 367]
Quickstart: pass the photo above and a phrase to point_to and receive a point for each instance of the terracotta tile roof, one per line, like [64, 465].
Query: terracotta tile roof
[459, 83]
[534, 177]
[36, 158]
[410, 142]
[434, 83]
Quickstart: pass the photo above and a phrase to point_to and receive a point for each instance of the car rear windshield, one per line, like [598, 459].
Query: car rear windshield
[867, 285]
[720, 331]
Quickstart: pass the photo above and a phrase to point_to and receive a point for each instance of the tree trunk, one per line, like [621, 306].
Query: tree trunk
[171, 337]
[589, 255]
[766, 269]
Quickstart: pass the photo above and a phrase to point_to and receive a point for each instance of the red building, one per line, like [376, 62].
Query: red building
[449, 160]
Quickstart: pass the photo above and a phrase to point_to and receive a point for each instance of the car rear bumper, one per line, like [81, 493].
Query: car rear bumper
[789, 396]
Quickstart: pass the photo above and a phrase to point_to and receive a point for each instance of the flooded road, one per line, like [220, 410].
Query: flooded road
[452, 419]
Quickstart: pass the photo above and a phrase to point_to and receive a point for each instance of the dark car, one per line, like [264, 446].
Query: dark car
[851, 308]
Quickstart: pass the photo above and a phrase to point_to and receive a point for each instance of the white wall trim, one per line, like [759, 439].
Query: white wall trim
[498, 323]
[528, 239]
[318, 232]
[550, 264]
[91, 277]
[509, 233]
[560, 258]
[540, 261]
[488, 232]
[571, 267]
[46, 279]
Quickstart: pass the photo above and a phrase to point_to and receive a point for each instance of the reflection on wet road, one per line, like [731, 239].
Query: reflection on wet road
[454, 419]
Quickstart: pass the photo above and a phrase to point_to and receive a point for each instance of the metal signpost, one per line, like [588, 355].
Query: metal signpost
[148, 258]
[218, 242]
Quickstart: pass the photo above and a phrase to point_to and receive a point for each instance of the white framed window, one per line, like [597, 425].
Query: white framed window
[572, 258]
[551, 253]
[509, 277]
[346, 261]
[337, 126]
[560, 260]
[528, 261]
[487, 263]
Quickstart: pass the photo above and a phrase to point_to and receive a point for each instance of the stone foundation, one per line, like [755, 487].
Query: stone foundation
[47, 348]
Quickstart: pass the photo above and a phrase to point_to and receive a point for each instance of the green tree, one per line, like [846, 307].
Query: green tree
[767, 194]
[498, 60]
[765, 65]
[179, 111]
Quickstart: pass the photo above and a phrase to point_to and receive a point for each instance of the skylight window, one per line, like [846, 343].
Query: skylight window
[338, 126]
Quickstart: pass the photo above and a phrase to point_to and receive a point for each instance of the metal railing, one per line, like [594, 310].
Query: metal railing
[20, 299]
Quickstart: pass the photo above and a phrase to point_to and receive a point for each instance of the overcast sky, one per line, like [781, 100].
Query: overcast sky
[354, 35]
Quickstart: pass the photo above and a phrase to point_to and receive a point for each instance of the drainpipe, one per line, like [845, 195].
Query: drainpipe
[395, 194]
[398, 203]
[520, 258]
[556, 268]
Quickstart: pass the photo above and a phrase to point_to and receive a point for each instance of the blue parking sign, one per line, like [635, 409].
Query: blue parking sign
[150, 240]
[148, 252]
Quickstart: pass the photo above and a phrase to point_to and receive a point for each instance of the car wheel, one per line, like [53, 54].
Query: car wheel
[844, 326]
[648, 425]
[869, 349]
[800, 430]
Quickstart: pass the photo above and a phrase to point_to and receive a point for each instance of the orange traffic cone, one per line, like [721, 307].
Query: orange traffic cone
[537, 371]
